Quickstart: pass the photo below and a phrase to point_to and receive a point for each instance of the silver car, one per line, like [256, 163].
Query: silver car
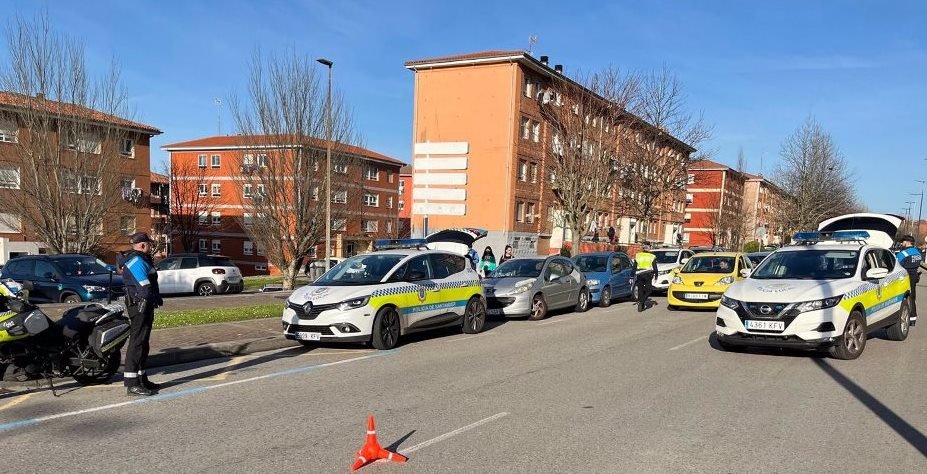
[532, 286]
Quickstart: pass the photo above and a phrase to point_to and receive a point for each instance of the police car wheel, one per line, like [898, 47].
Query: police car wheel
[853, 341]
[474, 316]
[606, 297]
[899, 330]
[538, 308]
[385, 329]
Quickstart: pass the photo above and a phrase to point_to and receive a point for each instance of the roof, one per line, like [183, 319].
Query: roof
[711, 165]
[491, 54]
[19, 101]
[159, 178]
[270, 141]
[405, 171]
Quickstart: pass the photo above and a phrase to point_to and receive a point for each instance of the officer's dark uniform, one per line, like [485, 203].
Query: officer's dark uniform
[142, 297]
[911, 259]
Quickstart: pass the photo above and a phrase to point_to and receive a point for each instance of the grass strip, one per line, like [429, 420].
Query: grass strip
[193, 317]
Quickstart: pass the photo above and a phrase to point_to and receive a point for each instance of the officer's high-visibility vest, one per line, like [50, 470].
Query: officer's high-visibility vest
[644, 260]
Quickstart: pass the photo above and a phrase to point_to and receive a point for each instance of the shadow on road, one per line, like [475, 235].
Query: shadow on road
[394, 447]
[286, 354]
[910, 434]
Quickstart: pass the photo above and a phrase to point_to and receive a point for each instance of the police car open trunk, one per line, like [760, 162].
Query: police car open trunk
[457, 240]
[882, 228]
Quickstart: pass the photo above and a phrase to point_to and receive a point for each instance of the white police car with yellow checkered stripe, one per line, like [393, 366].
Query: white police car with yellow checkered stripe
[400, 288]
[827, 291]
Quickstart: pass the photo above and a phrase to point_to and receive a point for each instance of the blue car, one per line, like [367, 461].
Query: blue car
[609, 275]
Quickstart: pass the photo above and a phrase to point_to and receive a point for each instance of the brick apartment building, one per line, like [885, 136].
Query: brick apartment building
[480, 154]
[405, 202]
[761, 200]
[714, 204]
[369, 201]
[159, 202]
[130, 169]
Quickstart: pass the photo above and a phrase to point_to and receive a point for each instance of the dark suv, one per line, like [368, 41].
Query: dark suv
[65, 278]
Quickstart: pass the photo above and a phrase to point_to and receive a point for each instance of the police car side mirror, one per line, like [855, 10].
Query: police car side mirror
[876, 273]
[684, 261]
[745, 272]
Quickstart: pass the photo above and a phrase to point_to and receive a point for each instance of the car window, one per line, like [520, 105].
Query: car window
[625, 262]
[886, 259]
[364, 269]
[21, 267]
[592, 263]
[519, 268]
[809, 265]
[421, 266]
[710, 264]
[169, 264]
[187, 263]
[616, 264]
[44, 269]
[444, 264]
[744, 263]
[555, 270]
[666, 256]
[213, 261]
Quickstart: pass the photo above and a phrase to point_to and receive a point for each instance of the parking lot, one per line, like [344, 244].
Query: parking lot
[610, 390]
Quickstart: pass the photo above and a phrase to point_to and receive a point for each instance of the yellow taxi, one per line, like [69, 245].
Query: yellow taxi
[704, 278]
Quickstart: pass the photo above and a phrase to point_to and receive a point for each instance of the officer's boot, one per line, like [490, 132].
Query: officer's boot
[139, 391]
[148, 383]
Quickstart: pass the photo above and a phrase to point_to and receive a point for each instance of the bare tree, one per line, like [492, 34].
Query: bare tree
[283, 169]
[190, 203]
[70, 162]
[815, 177]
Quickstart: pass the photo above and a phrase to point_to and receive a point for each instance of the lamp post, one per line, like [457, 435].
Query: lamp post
[920, 212]
[328, 167]
[908, 210]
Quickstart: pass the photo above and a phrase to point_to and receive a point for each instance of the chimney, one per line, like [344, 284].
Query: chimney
[544, 60]
[558, 68]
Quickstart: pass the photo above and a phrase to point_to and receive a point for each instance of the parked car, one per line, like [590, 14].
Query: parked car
[316, 268]
[757, 257]
[533, 286]
[199, 273]
[668, 259]
[704, 278]
[609, 275]
[65, 278]
[707, 249]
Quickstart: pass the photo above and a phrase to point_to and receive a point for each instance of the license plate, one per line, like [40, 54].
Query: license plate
[493, 312]
[697, 296]
[234, 280]
[766, 325]
[309, 336]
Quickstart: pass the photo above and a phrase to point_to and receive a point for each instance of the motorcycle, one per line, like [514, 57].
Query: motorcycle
[85, 344]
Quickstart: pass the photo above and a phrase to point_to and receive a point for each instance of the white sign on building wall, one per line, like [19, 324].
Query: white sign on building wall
[440, 178]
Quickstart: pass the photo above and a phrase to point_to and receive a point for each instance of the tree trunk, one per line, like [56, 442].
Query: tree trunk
[290, 272]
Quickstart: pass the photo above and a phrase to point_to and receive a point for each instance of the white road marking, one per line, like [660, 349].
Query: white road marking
[451, 434]
[693, 341]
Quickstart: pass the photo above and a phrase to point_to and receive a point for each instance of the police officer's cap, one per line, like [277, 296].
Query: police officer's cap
[139, 237]
[908, 238]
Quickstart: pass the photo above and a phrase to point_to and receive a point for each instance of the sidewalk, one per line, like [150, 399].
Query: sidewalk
[190, 343]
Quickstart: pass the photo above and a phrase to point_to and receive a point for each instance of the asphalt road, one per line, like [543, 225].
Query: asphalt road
[610, 390]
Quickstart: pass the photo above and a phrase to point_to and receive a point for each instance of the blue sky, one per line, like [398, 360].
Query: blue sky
[756, 69]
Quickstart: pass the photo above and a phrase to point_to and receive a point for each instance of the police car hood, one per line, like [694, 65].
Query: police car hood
[330, 294]
[789, 291]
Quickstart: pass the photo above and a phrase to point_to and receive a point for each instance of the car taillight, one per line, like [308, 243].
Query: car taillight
[218, 271]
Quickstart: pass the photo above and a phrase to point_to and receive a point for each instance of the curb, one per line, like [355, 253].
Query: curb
[217, 350]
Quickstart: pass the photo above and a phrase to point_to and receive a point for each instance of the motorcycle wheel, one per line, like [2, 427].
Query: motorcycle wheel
[102, 375]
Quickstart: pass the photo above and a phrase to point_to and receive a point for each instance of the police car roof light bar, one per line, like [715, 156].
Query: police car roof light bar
[393, 244]
[813, 237]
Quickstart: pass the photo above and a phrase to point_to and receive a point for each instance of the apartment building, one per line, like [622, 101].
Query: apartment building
[367, 196]
[762, 200]
[123, 143]
[159, 202]
[481, 154]
[714, 213]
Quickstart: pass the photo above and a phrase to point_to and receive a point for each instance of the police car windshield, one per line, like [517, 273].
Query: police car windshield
[519, 268]
[80, 266]
[666, 256]
[360, 270]
[592, 263]
[709, 264]
[808, 265]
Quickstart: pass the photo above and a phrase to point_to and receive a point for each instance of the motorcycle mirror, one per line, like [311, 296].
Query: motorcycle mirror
[111, 268]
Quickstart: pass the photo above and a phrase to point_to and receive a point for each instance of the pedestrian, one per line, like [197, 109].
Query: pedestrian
[911, 260]
[487, 263]
[142, 297]
[506, 255]
[611, 234]
[473, 256]
[645, 266]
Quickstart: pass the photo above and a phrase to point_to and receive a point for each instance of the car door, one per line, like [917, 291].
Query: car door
[874, 301]
[556, 289]
[23, 269]
[743, 263]
[47, 282]
[574, 280]
[623, 273]
[187, 275]
[167, 275]
[449, 275]
[427, 294]
[892, 292]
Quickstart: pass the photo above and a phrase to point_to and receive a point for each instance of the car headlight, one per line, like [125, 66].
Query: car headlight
[94, 288]
[520, 289]
[663, 272]
[725, 281]
[677, 280]
[592, 282]
[354, 303]
[817, 304]
[729, 302]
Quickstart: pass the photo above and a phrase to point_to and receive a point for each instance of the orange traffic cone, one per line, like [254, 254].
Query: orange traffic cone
[372, 450]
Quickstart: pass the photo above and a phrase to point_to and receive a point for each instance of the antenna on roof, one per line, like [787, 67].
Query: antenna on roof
[219, 115]
[532, 40]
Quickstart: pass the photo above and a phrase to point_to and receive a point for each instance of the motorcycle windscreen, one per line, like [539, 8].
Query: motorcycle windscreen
[36, 322]
[108, 336]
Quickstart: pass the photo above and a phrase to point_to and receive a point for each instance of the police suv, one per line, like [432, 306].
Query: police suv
[400, 288]
[826, 291]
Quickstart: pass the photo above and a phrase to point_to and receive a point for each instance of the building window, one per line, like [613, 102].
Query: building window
[260, 267]
[534, 172]
[204, 245]
[525, 128]
[216, 246]
[315, 193]
[127, 225]
[247, 190]
[262, 160]
[371, 226]
[201, 161]
[203, 217]
[389, 227]
[520, 212]
[690, 179]
[248, 160]
[216, 161]
[340, 197]
[81, 184]
[8, 131]
[9, 177]
[522, 170]
[127, 182]
[339, 224]
[127, 147]
[402, 205]
[341, 168]
[689, 198]
[529, 217]
[261, 191]
[688, 217]
[372, 200]
[85, 143]
[10, 223]
[536, 132]
[402, 185]
[372, 173]
[204, 189]
[248, 248]
[389, 202]
[529, 87]
[390, 177]
[216, 190]
[216, 218]
[247, 219]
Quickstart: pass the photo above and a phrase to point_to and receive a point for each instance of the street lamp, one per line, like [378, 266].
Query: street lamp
[328, 167]
[920, 212]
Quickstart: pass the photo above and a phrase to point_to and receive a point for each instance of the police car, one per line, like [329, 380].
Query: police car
[828, 290]
[400, 288]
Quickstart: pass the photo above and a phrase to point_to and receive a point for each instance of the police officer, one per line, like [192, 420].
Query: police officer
[142, 297]
[910, 259]
[645, 266]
